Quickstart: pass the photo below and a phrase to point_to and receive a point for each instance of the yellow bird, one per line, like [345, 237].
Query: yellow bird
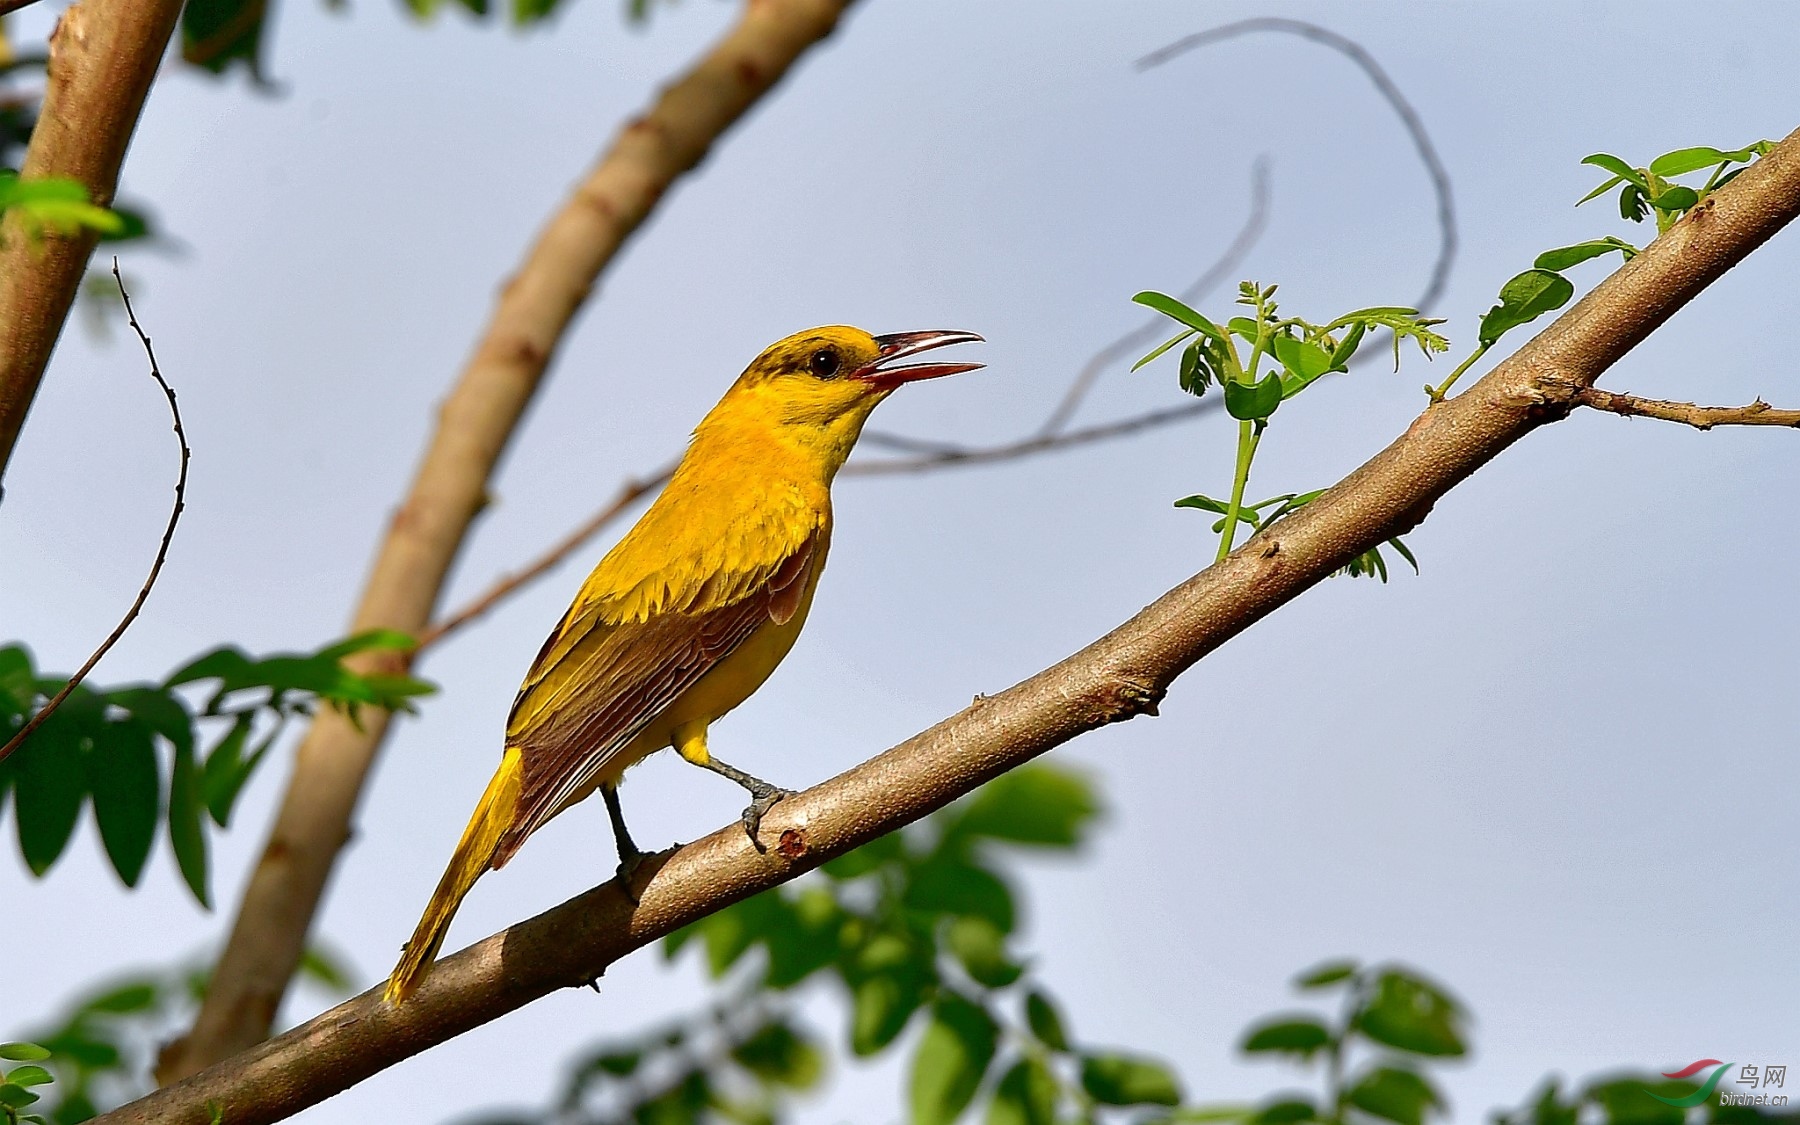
[691, 611]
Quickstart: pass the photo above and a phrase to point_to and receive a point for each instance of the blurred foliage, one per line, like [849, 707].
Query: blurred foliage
[214, 721]
[99, 1053]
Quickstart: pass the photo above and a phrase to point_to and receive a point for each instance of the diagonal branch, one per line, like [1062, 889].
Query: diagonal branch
[103, 56]
[1758, 413]
[1123, 674]
[162, 550]
[475, 423]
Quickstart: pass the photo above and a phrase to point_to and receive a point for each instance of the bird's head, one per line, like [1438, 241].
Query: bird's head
[816, 388]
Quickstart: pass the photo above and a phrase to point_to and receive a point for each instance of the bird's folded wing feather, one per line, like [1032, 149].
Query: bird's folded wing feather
[603, 677]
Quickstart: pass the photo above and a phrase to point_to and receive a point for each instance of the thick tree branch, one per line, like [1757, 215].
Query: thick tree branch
[1121, 675]
[450, 488]
[103, 56]
[1758, 413]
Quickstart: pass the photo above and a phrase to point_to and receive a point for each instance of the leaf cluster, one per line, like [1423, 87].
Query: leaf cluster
[1632, 1098]
[176, 753]
[1299, 353]
[100, 1050]
[1652, 190]
[1392, 1024]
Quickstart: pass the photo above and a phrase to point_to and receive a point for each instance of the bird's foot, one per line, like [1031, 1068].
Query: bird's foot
[753, 814]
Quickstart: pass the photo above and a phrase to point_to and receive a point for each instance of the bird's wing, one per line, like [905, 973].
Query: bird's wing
[598, 683]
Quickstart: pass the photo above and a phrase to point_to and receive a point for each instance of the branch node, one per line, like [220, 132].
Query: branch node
[1127, 698]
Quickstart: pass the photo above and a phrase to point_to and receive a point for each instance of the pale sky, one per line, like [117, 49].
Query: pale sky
[1555, 770]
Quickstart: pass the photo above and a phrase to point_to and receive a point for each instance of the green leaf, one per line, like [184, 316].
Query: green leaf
[229, 665]
[186, 833]
[1245, 328]
[1252, 402]
[127, 795]
[1685, 160]
[1196, 372]
[47, 778]
[946, 885]
[29, 1076]
[1601, 190]
[1176, 310]
[1302, 1037]
[981, 949]
[124, 1000]
[1410, 1013]
[1406, 553]
[1395, 1095]
[217, 33]
[1041, 1016]
[1285, 1112]
[872, 856]
[1618, 168]
[1340, 355]
[1677, 198]
[881, 1007]
[1563, 257]
[1304, 361]
[15, 1096]
[1523, 299]
[1026, 1095]
[951, 1060]
[1115, 1079]
[227, 769]
[1037, 804]
[372, 640]
[778, 1055]
[325, 969]
[1328, 973]
[23, 1052]
[1162, 347]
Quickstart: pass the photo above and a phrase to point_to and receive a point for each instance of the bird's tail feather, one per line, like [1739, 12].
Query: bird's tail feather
[474, 853]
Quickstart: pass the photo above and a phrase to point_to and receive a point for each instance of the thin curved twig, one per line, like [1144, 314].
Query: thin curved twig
[162, 551]
[629, 493]
[1145, 334]
[1040, 443]
[1409, 117]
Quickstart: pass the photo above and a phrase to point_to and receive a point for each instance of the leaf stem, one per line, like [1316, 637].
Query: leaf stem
[1249, 434]
[1437, 393]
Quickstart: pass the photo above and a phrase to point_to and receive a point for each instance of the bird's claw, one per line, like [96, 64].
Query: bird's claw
[753, 814]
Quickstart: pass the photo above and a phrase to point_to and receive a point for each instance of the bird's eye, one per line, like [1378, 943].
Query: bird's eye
[825, 362]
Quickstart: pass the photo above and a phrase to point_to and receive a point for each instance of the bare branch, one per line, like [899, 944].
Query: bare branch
[534, 310]
[1758, 413]
[1409, 117]
[1147, 333]
[103, 56]
[629, 493]
[162, 550]
[1123, 674]
[8, 7]
[944, 456]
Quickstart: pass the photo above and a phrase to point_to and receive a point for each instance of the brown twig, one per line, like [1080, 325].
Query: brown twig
[1119, 676]
[945, 456]
[450, 488]
[1409, 117]
[1758, 413]
[1146, 334]
[629, 493]
[8, 7]
[103, 56]
[162, 550]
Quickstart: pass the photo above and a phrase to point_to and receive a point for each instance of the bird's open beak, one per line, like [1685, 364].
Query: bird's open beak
[887, 372]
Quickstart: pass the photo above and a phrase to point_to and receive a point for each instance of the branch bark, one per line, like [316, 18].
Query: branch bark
[1758, 413]
[103, 57]
[476, 421]
[1121, 675]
